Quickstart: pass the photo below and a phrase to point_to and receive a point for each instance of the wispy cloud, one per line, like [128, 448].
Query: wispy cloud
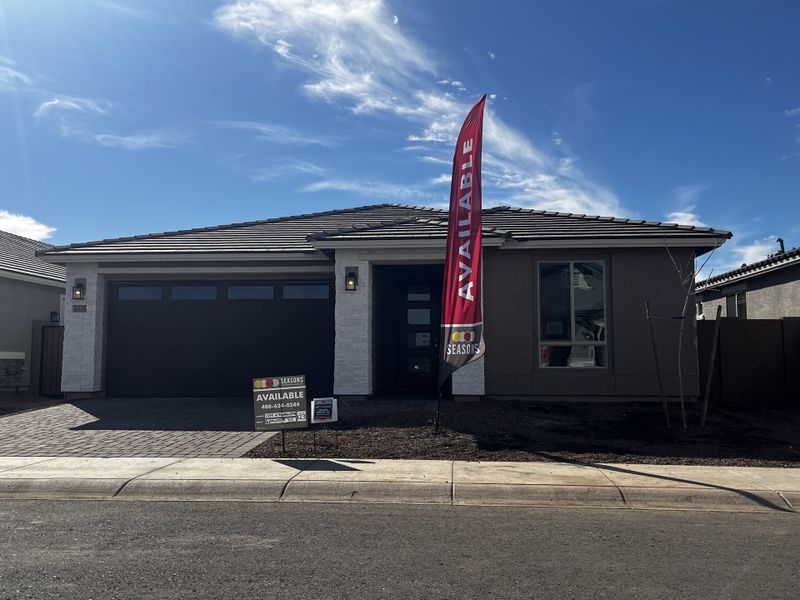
[11, 78]
[25, 226]
[127, 11]
[792, 112]
[685, 198]
[279, 134]
[443, 178]
[138, 141]
[71, 103]
[754, 251]
[272, 172]
[491, 55]
[356, 57]
[76, 117]
[375, 189]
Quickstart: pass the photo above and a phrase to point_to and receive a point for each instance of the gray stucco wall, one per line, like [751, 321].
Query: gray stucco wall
[632, 276]
[769, 296]
[22, 303]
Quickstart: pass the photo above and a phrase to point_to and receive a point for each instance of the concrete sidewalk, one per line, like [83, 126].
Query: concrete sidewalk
[403, 481]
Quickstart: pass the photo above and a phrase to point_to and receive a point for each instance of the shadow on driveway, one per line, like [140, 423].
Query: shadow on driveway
[167, 414]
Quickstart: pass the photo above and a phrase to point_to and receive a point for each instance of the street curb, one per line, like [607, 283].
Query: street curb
[206, 490]
[705, 499]
[498, 494]
[401, 492]
[60, 488]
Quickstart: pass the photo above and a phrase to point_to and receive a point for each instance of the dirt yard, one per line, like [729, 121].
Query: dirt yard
[540, 431]
[11, 402]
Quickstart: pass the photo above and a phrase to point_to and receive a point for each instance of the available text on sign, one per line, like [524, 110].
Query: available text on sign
[280, 403]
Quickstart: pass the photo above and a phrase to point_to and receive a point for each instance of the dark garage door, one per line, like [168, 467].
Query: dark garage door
[210, 338]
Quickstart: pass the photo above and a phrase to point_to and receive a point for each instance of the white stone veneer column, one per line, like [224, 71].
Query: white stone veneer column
[469, 380]
[84, 332]
[352, 371]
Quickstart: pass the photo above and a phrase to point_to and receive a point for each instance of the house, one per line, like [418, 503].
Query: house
[351, 298]
[767, 289]
[31, 294]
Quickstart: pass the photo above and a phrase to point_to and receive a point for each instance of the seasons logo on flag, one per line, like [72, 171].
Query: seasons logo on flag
[462, 342]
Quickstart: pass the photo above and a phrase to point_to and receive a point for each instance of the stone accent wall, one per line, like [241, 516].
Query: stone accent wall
[469, 380]
[352, 372]
[84, 332]
[12, 371]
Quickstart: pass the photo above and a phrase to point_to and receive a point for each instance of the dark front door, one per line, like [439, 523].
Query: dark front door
[419, 304]
[407, 313]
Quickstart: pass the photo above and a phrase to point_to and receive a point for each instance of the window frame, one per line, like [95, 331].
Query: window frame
[571, 342]
[743, 297]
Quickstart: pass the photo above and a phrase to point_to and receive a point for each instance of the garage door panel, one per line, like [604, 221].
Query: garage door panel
[214, 347]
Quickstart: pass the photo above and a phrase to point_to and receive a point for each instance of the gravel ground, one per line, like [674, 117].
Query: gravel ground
[540, 431]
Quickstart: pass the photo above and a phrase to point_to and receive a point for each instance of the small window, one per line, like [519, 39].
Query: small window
[139, 292]
[419, 339]
[418, 293]
[419, 316]
[741, 305]
[250, 292]
[306, 292]
[194, 292]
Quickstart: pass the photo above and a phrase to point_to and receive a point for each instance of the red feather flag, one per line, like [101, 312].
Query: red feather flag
[462, 320]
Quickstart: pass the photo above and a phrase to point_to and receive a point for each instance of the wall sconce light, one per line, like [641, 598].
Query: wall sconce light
[79, 290]
[351, 279]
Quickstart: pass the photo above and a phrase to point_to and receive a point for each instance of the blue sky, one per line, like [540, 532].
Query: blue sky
[123, 117]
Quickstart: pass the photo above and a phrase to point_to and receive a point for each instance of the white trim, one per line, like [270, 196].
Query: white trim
[218, 270]
[64, 256]
[462, 324]
[32, 279]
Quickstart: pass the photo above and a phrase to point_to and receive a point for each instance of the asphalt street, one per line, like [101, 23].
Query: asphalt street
[117, 549]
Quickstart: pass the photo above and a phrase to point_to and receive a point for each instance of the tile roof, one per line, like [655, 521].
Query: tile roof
[378, 222]
[281, 234]
[528, 224]
[779, 260]
[18, 255]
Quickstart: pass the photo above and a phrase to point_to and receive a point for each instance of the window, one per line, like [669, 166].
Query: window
[139, 292]
[194, 292]
[250, 292]
[418, 293]
[306, 292]
[572, 315]
[741, 305]
[418, 316]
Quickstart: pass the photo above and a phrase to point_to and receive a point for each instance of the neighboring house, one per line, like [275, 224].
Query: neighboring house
[767, 289]
[351, 298]
[31, 293]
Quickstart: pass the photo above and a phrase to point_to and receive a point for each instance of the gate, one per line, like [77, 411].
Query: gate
[50, 368]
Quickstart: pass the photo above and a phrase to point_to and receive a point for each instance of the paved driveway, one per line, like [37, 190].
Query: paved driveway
[116, 427]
